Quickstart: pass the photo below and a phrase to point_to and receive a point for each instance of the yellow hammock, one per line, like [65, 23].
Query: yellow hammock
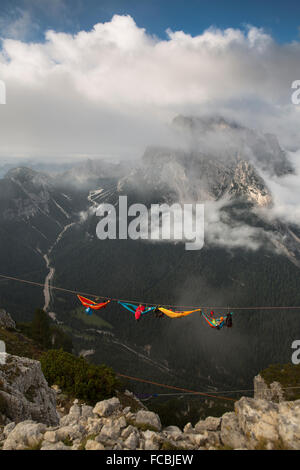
[172, 314]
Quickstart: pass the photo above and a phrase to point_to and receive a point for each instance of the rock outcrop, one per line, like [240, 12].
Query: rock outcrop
[30, 419]
[274, 392]
[24, 393]
[255, 424]
[6, 321]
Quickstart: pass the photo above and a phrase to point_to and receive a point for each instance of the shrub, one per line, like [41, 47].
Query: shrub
[77, 378]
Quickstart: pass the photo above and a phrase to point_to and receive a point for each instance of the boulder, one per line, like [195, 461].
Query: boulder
[209, 424]
[107, 407]
[231, 435]
[153, 440]
[258, 419]
[289, 424]
[73, 416]
[8, 429]
[69, 432]
[132, 441]
[198, 439]
[57, 446]
[24, 392]
[87, 412]
[93, 445]
[188, 428]
[26, 435]
[148, 418]
[274, 392]
[111, 430]
[127, 431]
[172, 430]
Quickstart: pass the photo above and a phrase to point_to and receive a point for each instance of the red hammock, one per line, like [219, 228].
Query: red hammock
[90, 304]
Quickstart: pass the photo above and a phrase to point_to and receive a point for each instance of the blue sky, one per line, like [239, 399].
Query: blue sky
[30, 18]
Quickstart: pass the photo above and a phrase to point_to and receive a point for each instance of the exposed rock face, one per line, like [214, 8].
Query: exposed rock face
[24, 392]
[179, 176]
[32, 422]
[255, 424]
[246, 183]
[274, 392]
[5, 320]
[107, 407]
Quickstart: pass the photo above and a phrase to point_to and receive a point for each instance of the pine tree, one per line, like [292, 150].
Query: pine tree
[40, 329]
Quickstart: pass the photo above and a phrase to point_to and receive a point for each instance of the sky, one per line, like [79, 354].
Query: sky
[106, 78]
[281, 19]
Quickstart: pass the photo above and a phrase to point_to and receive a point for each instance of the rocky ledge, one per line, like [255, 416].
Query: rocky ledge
[255, 424]
[24, 392]
[33, 421]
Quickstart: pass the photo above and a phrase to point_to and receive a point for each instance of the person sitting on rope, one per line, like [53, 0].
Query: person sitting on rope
[139, 311]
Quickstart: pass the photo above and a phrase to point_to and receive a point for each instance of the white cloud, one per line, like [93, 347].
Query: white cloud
[17, 26]
[285, 194]
[114, 89]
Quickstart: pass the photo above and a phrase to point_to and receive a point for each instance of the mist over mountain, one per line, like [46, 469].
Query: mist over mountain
[251, 255]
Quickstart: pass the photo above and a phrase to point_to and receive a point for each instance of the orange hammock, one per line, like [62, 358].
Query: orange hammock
[172, 314]
[90, 304]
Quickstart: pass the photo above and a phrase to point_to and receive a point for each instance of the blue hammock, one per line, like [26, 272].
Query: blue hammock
[132, 308]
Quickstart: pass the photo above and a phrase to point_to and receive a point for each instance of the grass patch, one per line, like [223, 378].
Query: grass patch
[91, 437]
[19, 345]
[93, 320]
[67, 442]
[126, 401]
[169, 446]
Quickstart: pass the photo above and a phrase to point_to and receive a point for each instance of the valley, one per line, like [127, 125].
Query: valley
[247, 260]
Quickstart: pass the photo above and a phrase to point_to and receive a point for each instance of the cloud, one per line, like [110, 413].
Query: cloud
[114, 89]
[18, 25]
[285, 194]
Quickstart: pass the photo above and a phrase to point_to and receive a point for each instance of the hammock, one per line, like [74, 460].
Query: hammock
[92, 305]
[172, 314]
[132, 308]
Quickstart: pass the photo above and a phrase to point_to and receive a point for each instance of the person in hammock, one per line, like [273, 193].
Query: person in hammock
[139, 311]
[158, 313]
[228, 320]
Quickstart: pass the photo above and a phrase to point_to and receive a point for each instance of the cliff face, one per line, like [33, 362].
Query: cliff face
[24, 392]
[6, 321]
[256, 423]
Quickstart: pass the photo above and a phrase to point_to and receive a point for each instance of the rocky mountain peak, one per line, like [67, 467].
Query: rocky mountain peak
[196, 176]
[246, 183]
[30, 178]
[225, 138]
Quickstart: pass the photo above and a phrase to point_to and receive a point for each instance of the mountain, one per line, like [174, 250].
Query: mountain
[48, 234]
[191, 176]
[217, 136]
